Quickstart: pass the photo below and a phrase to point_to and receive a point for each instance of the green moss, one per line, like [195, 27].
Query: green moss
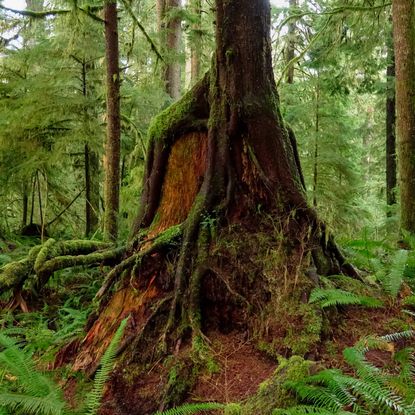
[44, 253]
[169, 235]
[230, 53]
[181, 377]
[301, 340]
[292, 326]
[272, 394]
[167, 125]
[233, 409]
[202, 355]
[80, 246]
[15, 273]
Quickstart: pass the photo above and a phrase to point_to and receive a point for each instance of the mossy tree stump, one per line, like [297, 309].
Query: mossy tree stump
[224, 232]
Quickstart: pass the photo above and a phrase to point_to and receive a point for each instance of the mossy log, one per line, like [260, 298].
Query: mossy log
[43, 260]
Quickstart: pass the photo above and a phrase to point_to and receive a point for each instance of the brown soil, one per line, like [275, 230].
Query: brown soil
[356, 322]
[241, 369]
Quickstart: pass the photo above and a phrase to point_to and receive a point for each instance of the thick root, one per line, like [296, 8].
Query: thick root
[43, 260]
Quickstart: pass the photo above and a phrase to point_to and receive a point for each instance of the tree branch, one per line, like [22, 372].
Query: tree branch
[336, 10]
[143, 30]
[36, 15]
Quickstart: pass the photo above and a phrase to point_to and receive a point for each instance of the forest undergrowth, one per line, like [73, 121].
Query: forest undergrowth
[348, 350]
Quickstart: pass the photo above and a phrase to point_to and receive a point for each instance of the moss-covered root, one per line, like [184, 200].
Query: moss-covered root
[13, 275]
[44, 260]
[166, 238]
[107, 257]
[272, 394]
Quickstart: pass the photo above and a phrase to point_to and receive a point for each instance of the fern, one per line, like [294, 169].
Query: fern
[336, 297]
[36, 394]
[192, 408]
[393, 279]
[409, 301]
[371, 391]
[309, 410]
[107, 362]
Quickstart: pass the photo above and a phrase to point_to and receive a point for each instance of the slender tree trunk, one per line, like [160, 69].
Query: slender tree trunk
[404, 43]
[91, 190]
[391, 180]
[39, 194]
[91, 161]
[170, 31]
[196, 41]
[25, 205]
[113, 146]
[290, 53]
[32, 206]
[316, 144]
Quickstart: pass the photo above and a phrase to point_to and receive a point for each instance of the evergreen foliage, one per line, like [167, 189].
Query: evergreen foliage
[52, 108]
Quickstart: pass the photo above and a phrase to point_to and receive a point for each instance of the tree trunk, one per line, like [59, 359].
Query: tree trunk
[403, 34]
[390, 130]
[169, 24]
[290, 54]
[223, 234]
[25, 204]
[196, 41]
[112, 146]
[91, 161]
[91, 191]
[316, 142]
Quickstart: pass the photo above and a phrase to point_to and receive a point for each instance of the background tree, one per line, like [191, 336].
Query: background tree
[403, 23]
[113, 141]
[391, 179]
[169, 23]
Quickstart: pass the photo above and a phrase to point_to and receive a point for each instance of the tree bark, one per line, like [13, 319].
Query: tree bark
[112, 146]
[403, 34]
[391, 180]
[25, 204]
[91, 161]
[196, 41]
[91, 191]
[290, 54]
[169, 24]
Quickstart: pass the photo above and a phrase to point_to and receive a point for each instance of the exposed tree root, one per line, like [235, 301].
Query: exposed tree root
[166, 238]
[43, 260]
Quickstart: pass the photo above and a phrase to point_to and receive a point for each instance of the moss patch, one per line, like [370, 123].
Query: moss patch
[272, 394]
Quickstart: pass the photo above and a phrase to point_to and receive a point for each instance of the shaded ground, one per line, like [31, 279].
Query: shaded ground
[241, 368]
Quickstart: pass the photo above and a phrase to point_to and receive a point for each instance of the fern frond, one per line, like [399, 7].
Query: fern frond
[192, 408]
[394, 337]
[107, 362]
[20, 364]
[309, 410]
[336, 297]
[47, 405]
[393, 279]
